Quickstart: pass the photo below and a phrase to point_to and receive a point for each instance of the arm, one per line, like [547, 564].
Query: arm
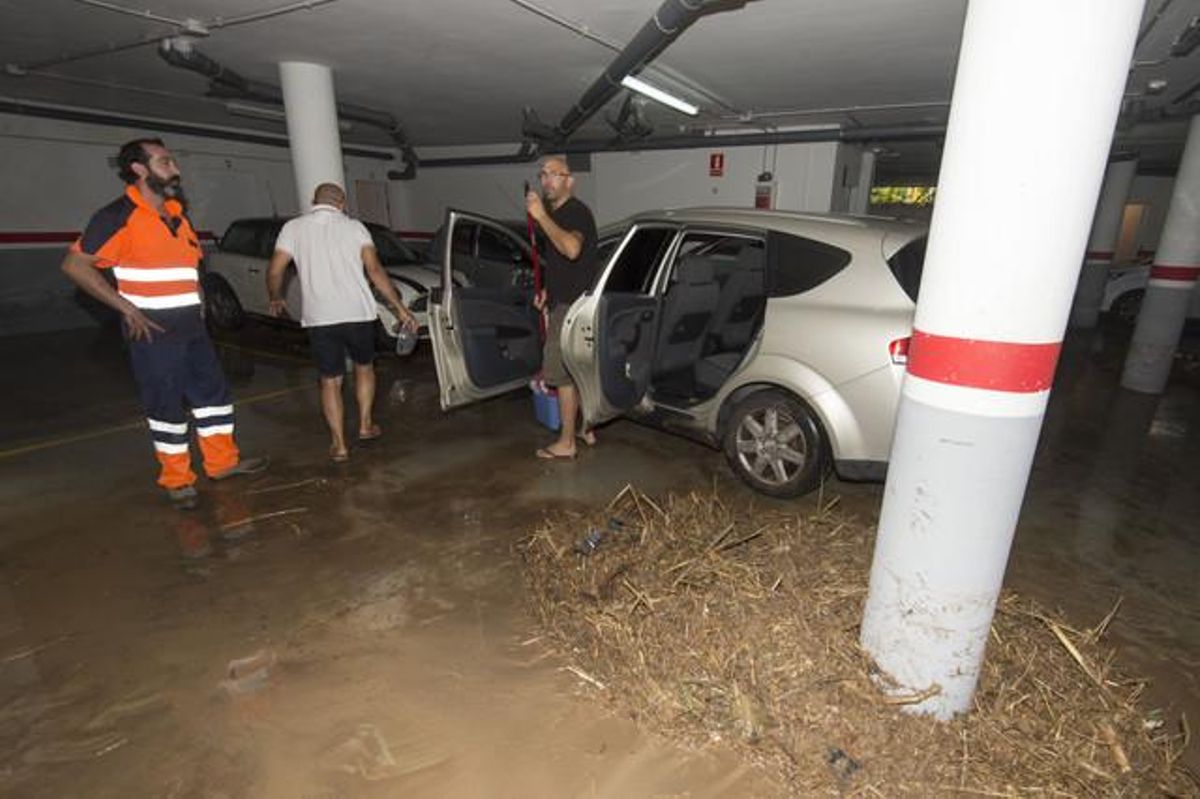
[383, 285]
[275, 272]
[81, 269]
[567, 242]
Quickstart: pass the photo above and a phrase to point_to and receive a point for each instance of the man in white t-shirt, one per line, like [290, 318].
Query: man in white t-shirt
[331, 250]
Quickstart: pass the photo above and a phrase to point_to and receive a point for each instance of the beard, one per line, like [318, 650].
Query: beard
[170, 188]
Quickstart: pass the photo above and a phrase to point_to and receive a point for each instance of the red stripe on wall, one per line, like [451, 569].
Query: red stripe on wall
[39, 237]
[64, 236]
[1185, 274]
[975, 363]
[416, 234]
[1098, 255]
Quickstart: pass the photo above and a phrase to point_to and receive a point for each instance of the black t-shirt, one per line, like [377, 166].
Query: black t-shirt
[565, 280]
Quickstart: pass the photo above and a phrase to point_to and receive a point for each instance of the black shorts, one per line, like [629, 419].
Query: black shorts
[331, 344]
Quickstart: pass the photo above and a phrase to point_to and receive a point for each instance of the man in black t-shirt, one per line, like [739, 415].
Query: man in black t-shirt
[569, 269]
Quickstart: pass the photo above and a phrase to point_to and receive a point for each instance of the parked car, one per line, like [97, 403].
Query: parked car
[779, 337]
[235, 275]
[1125, 288]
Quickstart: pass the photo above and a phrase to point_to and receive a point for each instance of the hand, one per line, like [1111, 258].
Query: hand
[534, 206]
[539, 300]
[278, 308]
[406, 319]
[141, 328]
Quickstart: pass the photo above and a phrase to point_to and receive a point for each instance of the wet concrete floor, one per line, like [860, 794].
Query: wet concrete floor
[360, 629]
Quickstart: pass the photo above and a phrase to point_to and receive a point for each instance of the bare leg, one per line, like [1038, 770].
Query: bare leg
[364, 392]
[568, 406]
[332, 407]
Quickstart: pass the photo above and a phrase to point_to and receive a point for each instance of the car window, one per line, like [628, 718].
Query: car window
[796, 264]
[241, 238]
[270, 232]
[635, 267]
[723, 252]
[907, 265]
[497, 246]
[464, 233]
[392, 252]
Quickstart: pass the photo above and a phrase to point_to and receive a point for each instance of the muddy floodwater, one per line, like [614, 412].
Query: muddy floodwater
[361, 629]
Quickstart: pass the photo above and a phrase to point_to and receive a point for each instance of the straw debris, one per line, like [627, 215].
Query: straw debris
[716, 625]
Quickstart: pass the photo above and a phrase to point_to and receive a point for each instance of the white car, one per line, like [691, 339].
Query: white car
[777, 336]
[1126, 286]
[236, 272]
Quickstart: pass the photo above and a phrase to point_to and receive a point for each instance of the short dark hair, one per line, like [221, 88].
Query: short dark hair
[131, 153]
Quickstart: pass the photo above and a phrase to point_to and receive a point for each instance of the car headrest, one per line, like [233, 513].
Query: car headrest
[695, 270]
[750, 259]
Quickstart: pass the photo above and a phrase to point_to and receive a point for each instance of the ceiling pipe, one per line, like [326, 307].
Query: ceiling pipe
[847, 135]
[527, 153]
[225, 83]
[670, 20]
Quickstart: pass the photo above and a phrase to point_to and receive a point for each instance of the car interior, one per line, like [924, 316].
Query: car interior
[712, 309]
[680, 344]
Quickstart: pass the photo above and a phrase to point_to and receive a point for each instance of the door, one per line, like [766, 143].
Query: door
[609, 333]
[485, 339]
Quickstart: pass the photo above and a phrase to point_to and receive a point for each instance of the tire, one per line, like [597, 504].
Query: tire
[221, 306]
[1127, 307]
[774, 444]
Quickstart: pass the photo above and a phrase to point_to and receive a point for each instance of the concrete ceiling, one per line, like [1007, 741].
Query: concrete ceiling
[460, 71]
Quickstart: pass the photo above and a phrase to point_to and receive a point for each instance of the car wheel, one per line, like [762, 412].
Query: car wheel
[221, 306]
[1128, 306]
[773, 444]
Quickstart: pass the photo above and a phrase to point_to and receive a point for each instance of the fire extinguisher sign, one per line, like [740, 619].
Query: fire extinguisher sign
[716, 165]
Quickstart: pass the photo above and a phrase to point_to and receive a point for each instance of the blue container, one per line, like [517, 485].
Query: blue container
[545, 407]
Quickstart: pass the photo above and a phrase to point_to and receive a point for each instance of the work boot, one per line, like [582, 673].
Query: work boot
[244, 466]
[183, 498]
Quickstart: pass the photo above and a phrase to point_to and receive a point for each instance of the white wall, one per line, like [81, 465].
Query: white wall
[620, 184]
[1155, 192]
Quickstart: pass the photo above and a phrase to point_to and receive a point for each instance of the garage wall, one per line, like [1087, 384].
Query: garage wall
[1155, 192]
[56, 173]
[620, 184]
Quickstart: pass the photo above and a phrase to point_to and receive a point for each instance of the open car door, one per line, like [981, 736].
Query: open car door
[485, 338]
[609, 333]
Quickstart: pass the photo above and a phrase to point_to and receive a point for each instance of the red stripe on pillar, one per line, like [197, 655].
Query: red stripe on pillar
[975, 363]
[1185, 274]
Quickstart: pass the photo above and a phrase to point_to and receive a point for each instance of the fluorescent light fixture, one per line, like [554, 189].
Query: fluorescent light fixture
[269, 113]
[655, 93]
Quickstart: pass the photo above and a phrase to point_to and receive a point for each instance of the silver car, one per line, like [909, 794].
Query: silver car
[779, 337]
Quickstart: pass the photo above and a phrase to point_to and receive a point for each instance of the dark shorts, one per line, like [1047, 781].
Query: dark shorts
[332, 343]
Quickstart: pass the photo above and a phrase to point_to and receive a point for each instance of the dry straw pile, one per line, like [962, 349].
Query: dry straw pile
[715, 625]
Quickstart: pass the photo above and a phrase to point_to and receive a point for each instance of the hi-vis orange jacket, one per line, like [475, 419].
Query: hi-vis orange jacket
[154, 258]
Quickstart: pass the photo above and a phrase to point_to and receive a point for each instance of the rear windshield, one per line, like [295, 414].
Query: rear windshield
[906, 266]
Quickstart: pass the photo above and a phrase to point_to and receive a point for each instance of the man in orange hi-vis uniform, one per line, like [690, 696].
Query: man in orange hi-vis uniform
[149, 244]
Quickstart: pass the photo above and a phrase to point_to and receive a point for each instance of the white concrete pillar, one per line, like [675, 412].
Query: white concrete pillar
[1172, 279]
[860, 199]
[989, 326]
[1106, 228]
[311, 110]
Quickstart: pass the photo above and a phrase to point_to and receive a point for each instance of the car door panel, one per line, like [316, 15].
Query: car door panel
[485, 340]
[625, 347]
[609, 333]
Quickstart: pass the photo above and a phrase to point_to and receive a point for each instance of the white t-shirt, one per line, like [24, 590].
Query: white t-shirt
[327, 248]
